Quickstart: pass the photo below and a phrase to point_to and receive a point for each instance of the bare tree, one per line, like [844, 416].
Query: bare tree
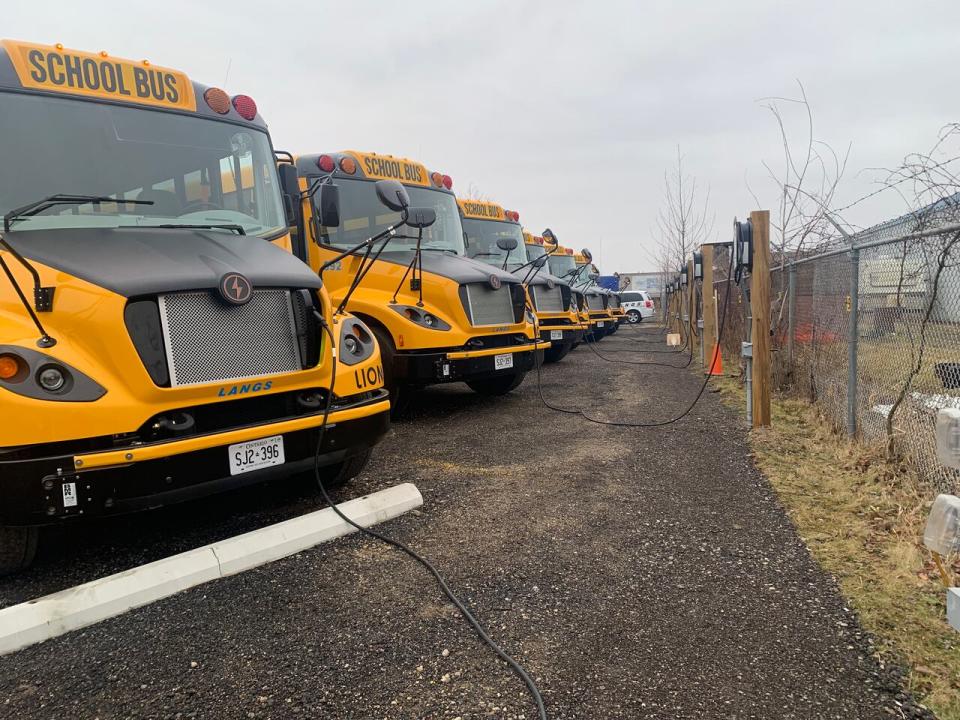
[806, 183]
[684, 221]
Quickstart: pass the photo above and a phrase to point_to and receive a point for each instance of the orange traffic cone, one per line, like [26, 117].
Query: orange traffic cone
[716, 367]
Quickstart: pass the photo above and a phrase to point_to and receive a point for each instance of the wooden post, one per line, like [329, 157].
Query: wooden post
[692, 307]
[760, 307]
[709, 308]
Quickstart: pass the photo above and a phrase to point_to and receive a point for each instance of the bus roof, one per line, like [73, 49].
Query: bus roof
[372, 166]
[55, 70]
[484, 210]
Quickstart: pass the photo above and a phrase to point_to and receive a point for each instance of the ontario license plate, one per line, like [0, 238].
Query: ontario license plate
[556, 334]
[255, 454]
[502, 362]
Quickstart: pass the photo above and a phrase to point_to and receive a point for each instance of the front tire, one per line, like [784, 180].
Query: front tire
[338, 475]
[499, 385]
[18, 547]
[399, 394]
[556, 353]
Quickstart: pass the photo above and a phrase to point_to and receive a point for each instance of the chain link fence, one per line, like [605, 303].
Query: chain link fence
[887, 302]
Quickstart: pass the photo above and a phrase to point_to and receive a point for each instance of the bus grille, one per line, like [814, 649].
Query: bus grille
[546, 299]
[486, 306]
[209, 340]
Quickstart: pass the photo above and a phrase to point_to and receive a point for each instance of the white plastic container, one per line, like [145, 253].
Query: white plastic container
[942, 534]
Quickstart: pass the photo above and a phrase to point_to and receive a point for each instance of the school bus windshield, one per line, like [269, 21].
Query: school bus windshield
[362, 216]
[194, 170]
[536, 251]
[483, 236]
[563, 266]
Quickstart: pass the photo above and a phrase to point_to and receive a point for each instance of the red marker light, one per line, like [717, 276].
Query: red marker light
[217, 100]
[447, 182]
[245, 105]
[325, 163]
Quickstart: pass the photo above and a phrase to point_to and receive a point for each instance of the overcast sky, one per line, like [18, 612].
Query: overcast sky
[566, 112]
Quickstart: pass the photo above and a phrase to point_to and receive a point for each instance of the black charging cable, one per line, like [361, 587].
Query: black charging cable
[467, 615]
[662, 423]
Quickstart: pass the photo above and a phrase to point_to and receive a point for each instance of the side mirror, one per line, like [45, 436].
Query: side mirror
[290, 188]
[421, 217]
[507, 244]
[393, 195]
[548, 235]
[327, 205]
[587, 254]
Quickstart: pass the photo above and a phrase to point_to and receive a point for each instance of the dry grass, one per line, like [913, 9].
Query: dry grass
[863, 518]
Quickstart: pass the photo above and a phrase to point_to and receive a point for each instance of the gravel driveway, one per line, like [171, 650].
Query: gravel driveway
[635, 573]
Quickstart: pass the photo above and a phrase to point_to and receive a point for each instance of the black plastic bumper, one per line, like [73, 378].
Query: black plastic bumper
[569, 335]
[32, 491]
[431, 368]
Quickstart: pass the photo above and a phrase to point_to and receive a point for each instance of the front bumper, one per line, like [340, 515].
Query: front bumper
[429, 368]
[561, 334]
[151, 475]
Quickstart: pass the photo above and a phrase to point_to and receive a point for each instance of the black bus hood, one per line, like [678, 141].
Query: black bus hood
[149, 261]
[454, 267]
[541, 278]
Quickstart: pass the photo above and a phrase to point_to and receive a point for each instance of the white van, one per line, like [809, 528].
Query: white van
[637, 305]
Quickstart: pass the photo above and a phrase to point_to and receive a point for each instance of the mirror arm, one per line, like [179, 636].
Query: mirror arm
[41, 294]
[379, 236]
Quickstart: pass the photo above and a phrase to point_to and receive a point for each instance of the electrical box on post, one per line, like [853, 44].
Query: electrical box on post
[742, 246]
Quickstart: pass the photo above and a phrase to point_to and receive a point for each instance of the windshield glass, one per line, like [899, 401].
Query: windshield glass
[362, 216]
[483, 236]
[535, 251]
[562, 265]
[194, 170]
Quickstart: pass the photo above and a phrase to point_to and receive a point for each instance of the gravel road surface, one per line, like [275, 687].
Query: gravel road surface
[635, 573]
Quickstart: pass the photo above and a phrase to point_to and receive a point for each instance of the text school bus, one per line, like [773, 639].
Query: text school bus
[494, 236]
[439, 317]
[154, 346]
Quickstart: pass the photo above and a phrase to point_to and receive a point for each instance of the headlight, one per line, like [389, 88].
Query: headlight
[51, 378]
[421, 317]
[356, 342]
[36, 375]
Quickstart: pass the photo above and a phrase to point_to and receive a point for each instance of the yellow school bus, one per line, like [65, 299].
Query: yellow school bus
[561, 263]
[598, 301]
[574, 326]
[158, 341]
[487, 225]
[438, 315]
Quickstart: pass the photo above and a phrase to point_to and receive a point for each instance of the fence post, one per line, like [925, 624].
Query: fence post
[760, 306]
[853, 341]
[709, 338]
[691, 306]
[791, 312]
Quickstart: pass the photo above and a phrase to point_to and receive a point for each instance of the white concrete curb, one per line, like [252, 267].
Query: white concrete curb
[47, 617]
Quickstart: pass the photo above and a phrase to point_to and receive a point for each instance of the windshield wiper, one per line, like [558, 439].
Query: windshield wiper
[238, 229]
[39, 206]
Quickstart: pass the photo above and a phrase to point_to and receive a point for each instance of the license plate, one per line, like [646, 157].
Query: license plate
[556, 334]
[502, 362]
[256, 454]
[600, 324]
